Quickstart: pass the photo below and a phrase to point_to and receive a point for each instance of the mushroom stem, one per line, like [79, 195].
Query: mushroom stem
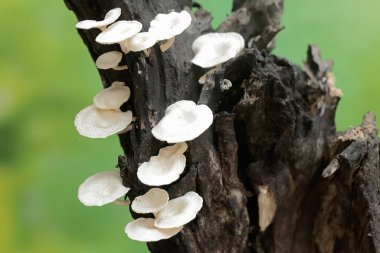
[103, 28]
[167, 44]
[127, 129]
[124, 49]
[121, 202]
[120, 67]
[146, 52]
[202, 79]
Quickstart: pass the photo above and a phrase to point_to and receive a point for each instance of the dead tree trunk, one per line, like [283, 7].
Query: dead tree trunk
[273, 129]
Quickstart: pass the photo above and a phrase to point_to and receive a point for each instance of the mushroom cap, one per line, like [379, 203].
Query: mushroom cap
[183, 121]
[143, 230]
[119, 31]
[166, 26]
[140, 41]
[96, 123]
[102, 188]
[109, 60]
[179, 211]
[112, 97]
[216, 48]
[165, 168]
[110, 17]
[151, 202]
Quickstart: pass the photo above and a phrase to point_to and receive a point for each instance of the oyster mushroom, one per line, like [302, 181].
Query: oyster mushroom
[213, 49]
[167, 26]
[112, 97]
[110, 60]
[97, 123]
[143, 230]
[179, 211]
[165, 168]
[102, 188]
[151, 202]
[183, 121]
[141, 42]
[110, 17]
[118, 32]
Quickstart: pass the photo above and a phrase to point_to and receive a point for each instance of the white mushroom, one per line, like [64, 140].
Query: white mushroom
[110, 17]
[112, 97]
[102, 188]
[119, 32]
[202, 79]
[143, 230]
[167, 26]
[179, 211]
[267, 207]
[110, 60]
[141, 42]
[165, 168]
[216, 48]
[96, 123]
[183, 121]
[151, 202]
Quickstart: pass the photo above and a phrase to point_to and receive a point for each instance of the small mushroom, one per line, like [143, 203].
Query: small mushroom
[112, 97]
[179, 211]
[267, 207]
[183, 121]
[97, 123]
[102, 188]
[110, 17]
[110, 60]
[119, 32]
[143, 230]
[165, 168]
[141, 42]
[151, 202]
[167, 26]
[213, 49]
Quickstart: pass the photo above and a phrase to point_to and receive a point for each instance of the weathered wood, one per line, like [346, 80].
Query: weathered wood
[273, 128]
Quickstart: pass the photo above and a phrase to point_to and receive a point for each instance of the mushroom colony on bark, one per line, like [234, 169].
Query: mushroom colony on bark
[183, 122]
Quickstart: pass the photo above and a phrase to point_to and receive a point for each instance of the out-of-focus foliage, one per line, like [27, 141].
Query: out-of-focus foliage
[47, 76]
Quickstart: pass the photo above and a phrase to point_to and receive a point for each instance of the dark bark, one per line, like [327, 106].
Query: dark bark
[273, 128]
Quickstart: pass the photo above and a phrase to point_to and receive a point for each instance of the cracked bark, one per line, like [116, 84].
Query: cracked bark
[274, 128]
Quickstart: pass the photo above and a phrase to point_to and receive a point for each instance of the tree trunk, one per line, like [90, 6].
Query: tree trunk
[272, 149]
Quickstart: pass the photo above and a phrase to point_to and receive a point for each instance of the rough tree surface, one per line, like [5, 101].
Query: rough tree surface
[274, 128]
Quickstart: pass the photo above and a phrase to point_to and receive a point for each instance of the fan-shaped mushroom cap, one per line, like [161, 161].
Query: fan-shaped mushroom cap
[143, 230]
[102, 188]
[164, 168]
[183, 121]
[109, 60]
[215, 48]
[110, 17]
[118, 32]
[96, 123]
[112, 97]
[179, 211]
[151, 202]
[166, 26]
[140, 41]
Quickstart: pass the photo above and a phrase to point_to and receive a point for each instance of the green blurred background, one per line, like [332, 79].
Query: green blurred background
[47, 76]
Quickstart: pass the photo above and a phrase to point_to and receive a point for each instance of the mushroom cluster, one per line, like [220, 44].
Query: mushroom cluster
[104, 117]
[169, 215]
[130, 38]
[183, 122]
